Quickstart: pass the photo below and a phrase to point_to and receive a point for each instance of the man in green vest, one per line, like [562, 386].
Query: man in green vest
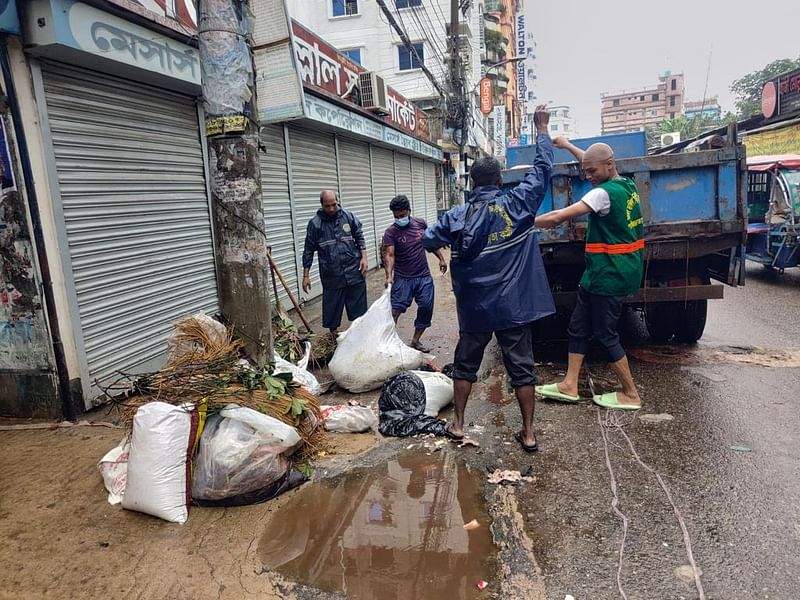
[614, 263]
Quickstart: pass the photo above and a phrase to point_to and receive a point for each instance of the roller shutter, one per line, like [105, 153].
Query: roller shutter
[383, 189]
[278, 209]
[418, 188]
[431, 201]
[402, 177]
[313, 168]
[356, 189]
[136, 219]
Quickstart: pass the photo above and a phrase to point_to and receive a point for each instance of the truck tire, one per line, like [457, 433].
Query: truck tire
[660, 320]
[691, 321]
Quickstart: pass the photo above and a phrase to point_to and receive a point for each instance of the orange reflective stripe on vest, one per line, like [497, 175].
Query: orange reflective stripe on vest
[615, 248]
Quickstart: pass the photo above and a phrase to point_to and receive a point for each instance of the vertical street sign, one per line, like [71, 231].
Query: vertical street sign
[486, 95]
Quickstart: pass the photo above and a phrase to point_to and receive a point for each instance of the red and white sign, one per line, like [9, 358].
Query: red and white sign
[323, 67]
[486, 96]
[769, 99]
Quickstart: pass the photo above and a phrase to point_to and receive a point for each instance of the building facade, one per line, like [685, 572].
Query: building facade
[708, 109]
[106, 185]
[562, 122]
[633, 110]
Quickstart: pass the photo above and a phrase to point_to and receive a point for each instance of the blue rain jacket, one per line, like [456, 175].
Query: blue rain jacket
[338, 240]
[496, 266]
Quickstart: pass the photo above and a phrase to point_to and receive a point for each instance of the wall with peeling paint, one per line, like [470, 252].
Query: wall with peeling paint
[27, 375]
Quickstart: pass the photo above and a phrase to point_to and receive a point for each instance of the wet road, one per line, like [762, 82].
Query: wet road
[729, 457]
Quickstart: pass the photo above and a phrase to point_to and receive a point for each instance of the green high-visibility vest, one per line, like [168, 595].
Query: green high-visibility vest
[615, 243]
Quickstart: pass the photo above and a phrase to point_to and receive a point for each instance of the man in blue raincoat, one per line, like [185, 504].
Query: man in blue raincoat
[498, 276]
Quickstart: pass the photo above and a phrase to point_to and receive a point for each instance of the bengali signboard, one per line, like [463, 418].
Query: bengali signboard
[321, 66]
[777, 141]
[781, 96]
[499, 118]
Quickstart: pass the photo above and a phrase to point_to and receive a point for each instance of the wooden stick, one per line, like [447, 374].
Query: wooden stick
[275, 268]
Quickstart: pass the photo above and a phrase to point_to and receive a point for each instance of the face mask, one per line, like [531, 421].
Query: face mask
[402, 222]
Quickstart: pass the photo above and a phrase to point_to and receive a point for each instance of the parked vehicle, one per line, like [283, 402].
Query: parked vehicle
[773, 211]
[694, 208]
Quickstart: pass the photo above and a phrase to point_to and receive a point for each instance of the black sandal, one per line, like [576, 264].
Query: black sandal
[529, 449]
[453, 436]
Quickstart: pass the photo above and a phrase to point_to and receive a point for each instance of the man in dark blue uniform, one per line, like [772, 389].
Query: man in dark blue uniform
[335, 235]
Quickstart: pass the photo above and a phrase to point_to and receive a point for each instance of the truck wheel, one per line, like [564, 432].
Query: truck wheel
[691, 321]
[660, 321]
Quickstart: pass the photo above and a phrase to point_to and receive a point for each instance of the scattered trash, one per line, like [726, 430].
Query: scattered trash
[465, 442]
[472, 525]
[370, 351]
[508, 477]
[348, 418]
[159, 466]
[288, 342]
[402, 406]
[656, 417]
[114, 469]
[448, 370]
[299, 372]
[741, 449]
[482, 585]
[322, 349]
[438, 391]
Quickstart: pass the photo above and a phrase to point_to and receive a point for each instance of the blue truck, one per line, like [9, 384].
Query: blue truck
[694, 205]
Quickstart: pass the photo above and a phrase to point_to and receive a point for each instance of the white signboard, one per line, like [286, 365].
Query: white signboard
[499, 117]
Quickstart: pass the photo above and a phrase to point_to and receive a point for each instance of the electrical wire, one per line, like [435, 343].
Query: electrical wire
[424, 35]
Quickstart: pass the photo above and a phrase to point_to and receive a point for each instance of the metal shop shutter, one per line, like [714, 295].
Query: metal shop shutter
[383, 189]
[418, 188]
[131, 175]
[430, 192]
[312, 158]
[356, 190]
[402, 177]
[278, 208]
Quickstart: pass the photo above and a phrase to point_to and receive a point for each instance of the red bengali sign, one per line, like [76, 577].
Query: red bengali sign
[769, 99]
[322, 66]
[486, 95]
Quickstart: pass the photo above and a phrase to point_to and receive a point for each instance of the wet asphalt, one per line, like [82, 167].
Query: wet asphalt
[729, 458]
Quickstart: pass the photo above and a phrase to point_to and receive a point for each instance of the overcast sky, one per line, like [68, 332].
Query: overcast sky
[587, 48]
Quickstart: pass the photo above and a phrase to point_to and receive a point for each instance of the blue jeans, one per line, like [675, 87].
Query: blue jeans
[417, 289]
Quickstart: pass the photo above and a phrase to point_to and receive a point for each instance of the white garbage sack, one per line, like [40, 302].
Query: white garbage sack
[438, 391]
[370, 351]
[159, 465]
[343, 418]
[114, 469]
[300, 373]
[241, 451]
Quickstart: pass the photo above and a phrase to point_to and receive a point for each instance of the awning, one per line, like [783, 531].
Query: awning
[775, 161]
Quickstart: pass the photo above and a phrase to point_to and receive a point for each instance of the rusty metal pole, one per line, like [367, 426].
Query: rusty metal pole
[231, 122]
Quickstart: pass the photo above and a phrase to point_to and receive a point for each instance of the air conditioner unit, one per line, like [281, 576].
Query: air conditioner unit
[667, 139]
[373, 92]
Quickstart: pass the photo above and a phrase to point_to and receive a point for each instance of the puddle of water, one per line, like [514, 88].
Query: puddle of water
[394, 532]
[496, 388]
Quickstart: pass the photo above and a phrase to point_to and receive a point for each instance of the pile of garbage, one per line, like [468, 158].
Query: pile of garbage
[210, 428]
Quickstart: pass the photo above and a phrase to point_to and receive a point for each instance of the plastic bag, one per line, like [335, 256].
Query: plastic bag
[114, 469]
[299, 372]
[438, 391]
[402, 406]
[343, 418]
[159, 465]
[241, 452]
[370, 351]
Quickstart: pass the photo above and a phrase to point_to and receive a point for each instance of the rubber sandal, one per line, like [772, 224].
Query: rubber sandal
[551, 392]
[451, 435]
[610, 401]
[525, 447]
[420, 347]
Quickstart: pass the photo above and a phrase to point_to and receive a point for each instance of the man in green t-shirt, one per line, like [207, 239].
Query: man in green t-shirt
[614, 263]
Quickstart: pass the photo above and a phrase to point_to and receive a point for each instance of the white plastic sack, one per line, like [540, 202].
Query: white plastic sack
[159, 465]
[114, 469]
[343, 418]
[241, 451]
[370, 351]
[438, 391]
[299, 372]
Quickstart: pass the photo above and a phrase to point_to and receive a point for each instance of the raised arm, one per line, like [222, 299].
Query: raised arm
[565, 144]
[530, 192]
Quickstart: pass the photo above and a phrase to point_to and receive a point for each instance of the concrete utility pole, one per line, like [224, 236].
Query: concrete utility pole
[458, 105]
[229, 99]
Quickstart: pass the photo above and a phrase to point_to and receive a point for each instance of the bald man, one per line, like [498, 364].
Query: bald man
[614, 264]
[335, 234]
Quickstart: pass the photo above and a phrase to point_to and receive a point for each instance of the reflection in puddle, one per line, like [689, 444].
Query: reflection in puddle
[393, 532]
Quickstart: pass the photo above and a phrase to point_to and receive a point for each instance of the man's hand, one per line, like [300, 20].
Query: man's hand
[541, 119]
[363, 266]
[389, 280]
[442, 266]
[306, 283]
[561, 142]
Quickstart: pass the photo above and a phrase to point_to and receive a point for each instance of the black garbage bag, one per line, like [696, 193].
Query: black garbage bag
[402, 408]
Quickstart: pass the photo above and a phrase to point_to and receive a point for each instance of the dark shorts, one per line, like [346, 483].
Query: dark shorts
[517, 347]
[416, 289]
[596, 316]
[354, 297]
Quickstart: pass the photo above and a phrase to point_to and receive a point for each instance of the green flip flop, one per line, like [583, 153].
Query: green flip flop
[610, 401]
[551, 392]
